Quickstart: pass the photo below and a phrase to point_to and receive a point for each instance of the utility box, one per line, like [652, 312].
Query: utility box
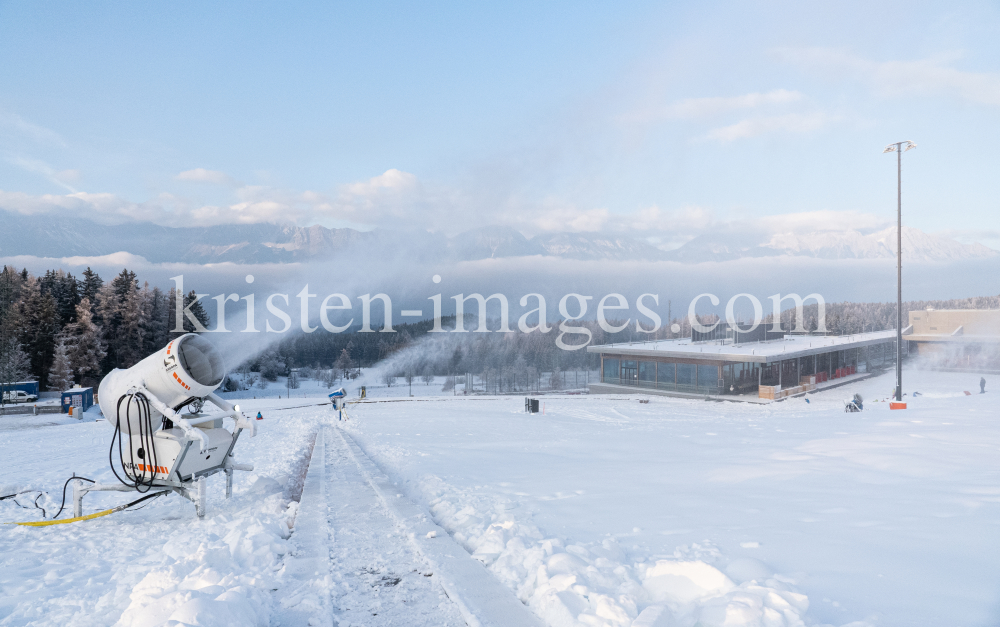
[531, 405]
[81, 399]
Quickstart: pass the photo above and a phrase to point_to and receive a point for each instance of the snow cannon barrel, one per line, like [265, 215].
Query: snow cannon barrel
[186, 369]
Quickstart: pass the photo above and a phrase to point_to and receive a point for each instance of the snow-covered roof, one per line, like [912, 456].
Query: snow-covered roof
[790, 347]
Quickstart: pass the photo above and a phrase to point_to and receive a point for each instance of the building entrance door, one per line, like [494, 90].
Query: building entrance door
[630, 373]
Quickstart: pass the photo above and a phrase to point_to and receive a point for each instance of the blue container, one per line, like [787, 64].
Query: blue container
[83, 398]
[31, 387]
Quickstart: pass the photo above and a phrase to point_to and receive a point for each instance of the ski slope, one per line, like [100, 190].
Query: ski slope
[602, 511]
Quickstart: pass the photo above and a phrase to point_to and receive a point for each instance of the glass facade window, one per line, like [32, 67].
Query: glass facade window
[665, 376]
[610, 374]
[647, 373]
[708, 379]
[686, 376]
[737, 378]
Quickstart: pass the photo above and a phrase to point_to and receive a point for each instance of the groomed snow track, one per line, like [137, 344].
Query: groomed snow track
[366, 554]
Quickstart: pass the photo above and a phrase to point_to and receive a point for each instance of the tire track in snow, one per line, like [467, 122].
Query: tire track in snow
[378, 578]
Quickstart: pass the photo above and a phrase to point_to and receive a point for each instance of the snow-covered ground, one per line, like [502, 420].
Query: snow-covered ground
[605, 506]
[602, 511]
[375, 387]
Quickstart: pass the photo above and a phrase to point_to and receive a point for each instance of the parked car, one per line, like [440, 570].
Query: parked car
[18, 396]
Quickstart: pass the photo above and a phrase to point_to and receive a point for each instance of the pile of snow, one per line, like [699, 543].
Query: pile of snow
[595, 583]
[608, 511]
[157, 565]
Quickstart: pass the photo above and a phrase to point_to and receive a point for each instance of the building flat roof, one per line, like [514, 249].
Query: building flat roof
[953, 339]
[790, 347]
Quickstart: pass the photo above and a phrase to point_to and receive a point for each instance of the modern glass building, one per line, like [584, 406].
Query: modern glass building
[721, 367]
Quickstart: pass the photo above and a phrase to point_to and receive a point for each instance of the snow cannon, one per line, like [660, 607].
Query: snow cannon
[164, 439]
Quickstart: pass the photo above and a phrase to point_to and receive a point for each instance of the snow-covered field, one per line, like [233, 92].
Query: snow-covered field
[602, 511]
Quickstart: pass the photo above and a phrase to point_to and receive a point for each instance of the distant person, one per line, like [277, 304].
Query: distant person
[259, 416]
[982, 385]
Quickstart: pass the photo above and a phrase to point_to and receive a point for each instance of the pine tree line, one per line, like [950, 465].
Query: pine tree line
[60, 330]
[846, 318]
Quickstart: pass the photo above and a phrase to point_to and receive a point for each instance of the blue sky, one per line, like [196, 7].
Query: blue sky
[651, 119]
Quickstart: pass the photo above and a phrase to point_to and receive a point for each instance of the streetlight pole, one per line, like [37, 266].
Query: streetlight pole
[899, 149]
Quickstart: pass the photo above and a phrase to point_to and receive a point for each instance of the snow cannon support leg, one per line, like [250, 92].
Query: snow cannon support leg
[199, 504]
[77, 499]
[229, 482]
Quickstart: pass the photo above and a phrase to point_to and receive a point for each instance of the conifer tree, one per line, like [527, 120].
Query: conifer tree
[61, 373]
[90, 284]
[129, 338]
[85, 345]
[106, 316]
[196, 309]
[156, 336]
[37, 326]
[343, 363]
[14, 363]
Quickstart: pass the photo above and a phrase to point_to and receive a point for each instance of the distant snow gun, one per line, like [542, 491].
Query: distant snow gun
[337, 398]
[855, 404]
[159, 446]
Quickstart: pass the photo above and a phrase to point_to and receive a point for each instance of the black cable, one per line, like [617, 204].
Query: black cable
[151, 450]
[63, 503]
[134, 481]
[117, 435]
[137, 478]
[137, 481]
[18, 503]
[148, 496]
[36, 503]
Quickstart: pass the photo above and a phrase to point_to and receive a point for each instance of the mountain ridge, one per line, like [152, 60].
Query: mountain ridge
[43, 236]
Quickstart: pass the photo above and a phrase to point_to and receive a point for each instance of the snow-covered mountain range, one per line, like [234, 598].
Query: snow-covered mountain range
[826, 244]
[45, 236]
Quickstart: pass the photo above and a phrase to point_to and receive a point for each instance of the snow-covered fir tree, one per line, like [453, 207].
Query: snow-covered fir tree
[61, 373]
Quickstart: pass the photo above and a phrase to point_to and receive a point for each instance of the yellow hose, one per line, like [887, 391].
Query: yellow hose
[46, 523]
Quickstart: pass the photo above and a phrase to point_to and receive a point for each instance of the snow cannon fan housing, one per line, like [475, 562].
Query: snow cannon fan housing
[145, 402]
[186, 369]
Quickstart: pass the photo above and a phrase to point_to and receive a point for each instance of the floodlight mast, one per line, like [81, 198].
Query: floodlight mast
[899, 149]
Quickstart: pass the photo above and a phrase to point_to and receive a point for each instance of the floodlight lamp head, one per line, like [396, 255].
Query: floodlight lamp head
[899, 146]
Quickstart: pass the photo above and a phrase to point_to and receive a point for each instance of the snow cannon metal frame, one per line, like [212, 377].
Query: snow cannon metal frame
[144, 402]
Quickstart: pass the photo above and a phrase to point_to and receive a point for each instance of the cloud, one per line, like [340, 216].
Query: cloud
[933, 76]
[709, 107]
[704, 108]
[201, 175]
[986, 237]
[392, 199]
[786, 123]
[68, 176]
[778, 110]
[399, 200]
[825, 220]
[11, 123]
[37, 166]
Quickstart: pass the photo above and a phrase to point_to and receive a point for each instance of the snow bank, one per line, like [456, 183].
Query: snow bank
[157, 566]
[595, 584]
[608, 511]
[222, 579]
